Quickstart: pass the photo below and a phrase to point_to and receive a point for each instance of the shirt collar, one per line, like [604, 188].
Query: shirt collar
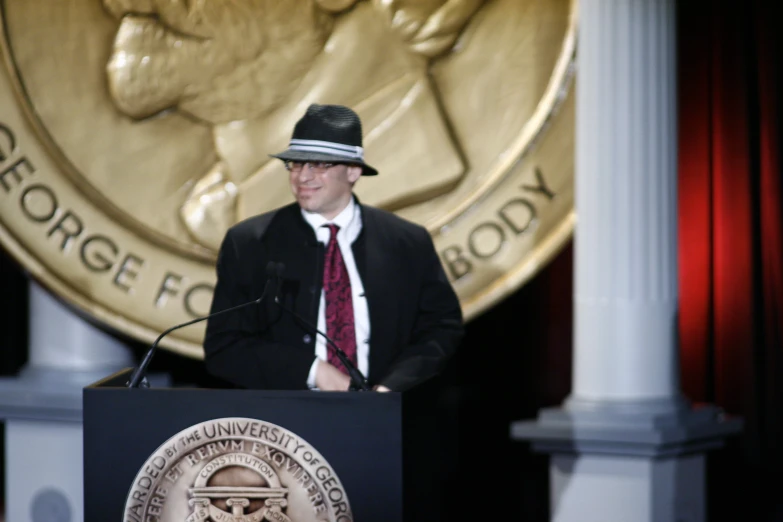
[349, 221]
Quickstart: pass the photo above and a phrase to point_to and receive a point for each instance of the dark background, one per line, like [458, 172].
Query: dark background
[516, 357]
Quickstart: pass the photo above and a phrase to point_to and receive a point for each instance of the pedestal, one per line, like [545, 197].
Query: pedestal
[645, 490]
[622, 462]
[42, 411]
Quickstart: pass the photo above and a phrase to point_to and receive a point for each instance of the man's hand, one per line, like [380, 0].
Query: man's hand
[381, 388]
[329, 378]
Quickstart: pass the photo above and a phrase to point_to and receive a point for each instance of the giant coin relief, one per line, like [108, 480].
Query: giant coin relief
[133, 133]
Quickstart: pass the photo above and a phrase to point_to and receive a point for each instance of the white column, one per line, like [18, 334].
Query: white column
[625, 300]
[626, 446]
[42, 410]
[62, 341]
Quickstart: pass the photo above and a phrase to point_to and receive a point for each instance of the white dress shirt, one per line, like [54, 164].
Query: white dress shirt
[350, 223]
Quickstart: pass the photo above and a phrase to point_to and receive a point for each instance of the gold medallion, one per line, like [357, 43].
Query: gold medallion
[236, 470]
[133, 133]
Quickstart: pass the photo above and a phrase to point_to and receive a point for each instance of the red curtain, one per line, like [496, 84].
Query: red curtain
[731, 226]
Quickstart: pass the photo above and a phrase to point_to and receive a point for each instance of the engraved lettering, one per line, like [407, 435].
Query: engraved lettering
[39, 203]
[13, 172]
[241, 427]
[456, 263]
[224, 429]
[171, 450]
[267, 453]
[193, 436]
[192, 460]
[174, 474]
[541, 186]
[517, 214]
[496, 238]
[10, 146]
[488, 238]
[189, 298]
[128, 272]
[92, 257]
[70, 225]
[278, 459]
[134, 512]
[169, 287]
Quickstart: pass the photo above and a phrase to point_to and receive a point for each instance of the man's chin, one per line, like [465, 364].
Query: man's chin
[308, 204]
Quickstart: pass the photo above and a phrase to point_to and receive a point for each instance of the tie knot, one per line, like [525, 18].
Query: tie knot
[332, 230]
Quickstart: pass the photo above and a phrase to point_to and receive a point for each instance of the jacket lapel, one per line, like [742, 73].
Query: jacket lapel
[373, 266]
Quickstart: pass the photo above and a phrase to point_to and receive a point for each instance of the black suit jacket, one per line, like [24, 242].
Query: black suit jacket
[415, 317]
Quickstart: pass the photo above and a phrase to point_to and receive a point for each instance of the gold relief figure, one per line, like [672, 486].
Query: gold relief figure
[249, 68]
[134, 132]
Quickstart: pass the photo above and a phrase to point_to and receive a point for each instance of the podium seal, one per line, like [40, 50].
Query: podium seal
[236, 470]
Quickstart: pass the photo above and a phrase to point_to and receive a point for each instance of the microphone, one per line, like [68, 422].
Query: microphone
[138, 374]
[358, 381]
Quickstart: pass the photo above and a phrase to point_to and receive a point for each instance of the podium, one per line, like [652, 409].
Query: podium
[235, 455]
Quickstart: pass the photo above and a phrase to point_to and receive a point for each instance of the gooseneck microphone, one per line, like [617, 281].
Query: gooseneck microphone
[138, 374]
[358, 381]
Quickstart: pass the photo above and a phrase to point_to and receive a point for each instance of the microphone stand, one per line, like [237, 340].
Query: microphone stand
[358, 381]
[138, 375]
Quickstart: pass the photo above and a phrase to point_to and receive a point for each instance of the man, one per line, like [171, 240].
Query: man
[371, 281]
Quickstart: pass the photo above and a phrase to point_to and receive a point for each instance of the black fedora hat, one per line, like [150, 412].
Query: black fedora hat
[330, 133]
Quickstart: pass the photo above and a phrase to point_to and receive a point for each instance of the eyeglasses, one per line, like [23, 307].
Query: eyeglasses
[318, 167]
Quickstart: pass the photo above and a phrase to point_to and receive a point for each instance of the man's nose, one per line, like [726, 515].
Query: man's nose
[306, 173]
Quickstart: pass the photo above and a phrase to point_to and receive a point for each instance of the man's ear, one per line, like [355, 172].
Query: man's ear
[354, 173]
[335, 6]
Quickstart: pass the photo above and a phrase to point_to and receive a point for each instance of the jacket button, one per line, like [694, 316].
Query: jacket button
[306, 339]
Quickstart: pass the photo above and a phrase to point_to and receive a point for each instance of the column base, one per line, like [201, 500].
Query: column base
[608, 488]
[621, 461]
[639, 428]
[42, 412]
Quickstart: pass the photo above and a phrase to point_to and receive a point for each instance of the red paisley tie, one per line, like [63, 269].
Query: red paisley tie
[339, 303]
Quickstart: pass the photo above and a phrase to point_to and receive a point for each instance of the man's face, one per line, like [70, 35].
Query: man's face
[323, 188]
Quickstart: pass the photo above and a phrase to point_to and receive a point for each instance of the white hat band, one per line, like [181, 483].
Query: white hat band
[328, 147]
